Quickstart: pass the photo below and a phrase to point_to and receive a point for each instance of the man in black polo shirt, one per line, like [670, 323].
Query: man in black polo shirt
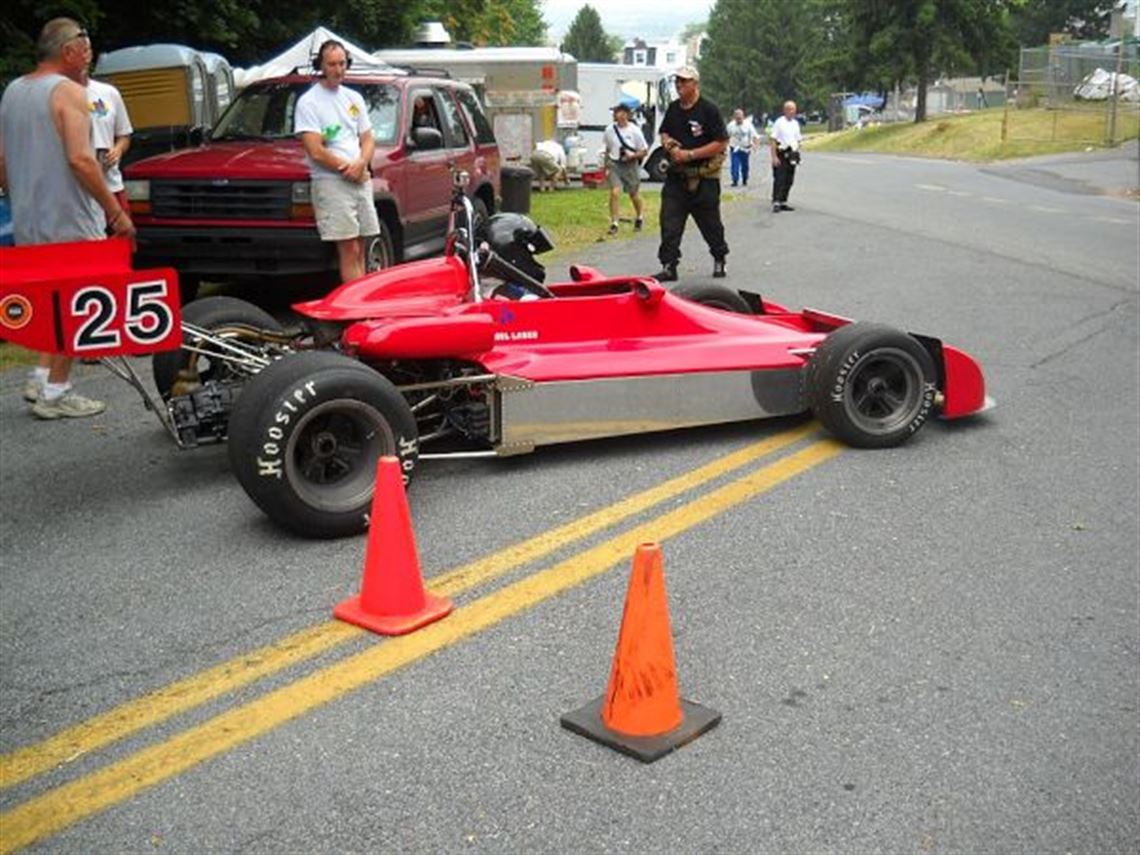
[694, 135]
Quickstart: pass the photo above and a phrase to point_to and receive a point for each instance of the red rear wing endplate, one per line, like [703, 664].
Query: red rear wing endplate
[82, 299]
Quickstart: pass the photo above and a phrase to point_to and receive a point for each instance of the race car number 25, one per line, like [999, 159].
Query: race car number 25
[143, 317]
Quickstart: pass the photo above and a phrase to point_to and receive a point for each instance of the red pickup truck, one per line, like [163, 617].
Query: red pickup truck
[237, 207]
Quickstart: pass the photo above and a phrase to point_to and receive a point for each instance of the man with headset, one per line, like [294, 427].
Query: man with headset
[332, 122]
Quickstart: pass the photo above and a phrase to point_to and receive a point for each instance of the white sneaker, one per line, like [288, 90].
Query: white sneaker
[31, 390]
[67, 406]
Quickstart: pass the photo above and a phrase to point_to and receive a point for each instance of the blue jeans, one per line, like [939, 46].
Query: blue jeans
[739, 166]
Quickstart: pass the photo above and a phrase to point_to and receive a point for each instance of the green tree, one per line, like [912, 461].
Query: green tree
[1034, 20]
[921, 39]
[489, 22]
[586, 40]
[760, 53]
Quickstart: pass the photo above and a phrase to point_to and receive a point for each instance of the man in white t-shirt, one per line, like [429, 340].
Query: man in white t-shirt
[625, 149]
[741, 140]
[549, 164]
[785, 138]
[110, 133]
[332, 122]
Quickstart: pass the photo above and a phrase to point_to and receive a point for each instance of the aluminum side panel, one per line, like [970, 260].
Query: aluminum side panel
[563, 411]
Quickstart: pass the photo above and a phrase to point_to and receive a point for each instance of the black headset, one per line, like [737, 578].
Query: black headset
[331, 43]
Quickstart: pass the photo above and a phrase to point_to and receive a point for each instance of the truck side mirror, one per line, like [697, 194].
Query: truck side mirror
[426, 139]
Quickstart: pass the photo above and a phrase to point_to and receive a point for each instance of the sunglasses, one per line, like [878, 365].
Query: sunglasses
[79, 34]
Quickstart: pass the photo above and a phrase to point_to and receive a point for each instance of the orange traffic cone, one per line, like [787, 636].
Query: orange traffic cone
[642, 713]
[392, 598]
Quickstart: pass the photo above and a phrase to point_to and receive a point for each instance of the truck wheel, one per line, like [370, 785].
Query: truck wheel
[306, 436]
[712, 295]
[871, 385]
[214, 314]
[379, 250]
[657, 165]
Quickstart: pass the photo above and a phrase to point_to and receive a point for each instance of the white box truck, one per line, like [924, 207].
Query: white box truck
[601, 86]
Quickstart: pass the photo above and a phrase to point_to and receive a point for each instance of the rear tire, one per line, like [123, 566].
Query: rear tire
[306, 436]
[212, 313]
[713, 295]
[871, 385]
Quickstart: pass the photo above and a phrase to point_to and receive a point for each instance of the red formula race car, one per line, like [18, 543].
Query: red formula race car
[464, 355]
[472, 354]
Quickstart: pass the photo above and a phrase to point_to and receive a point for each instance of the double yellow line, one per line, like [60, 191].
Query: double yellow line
[58, 808]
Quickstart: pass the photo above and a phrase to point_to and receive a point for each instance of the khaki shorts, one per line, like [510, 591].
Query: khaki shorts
[344, 210]
[625, 174]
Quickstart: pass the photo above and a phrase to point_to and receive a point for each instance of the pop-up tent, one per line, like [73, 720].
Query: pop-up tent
[301, 56]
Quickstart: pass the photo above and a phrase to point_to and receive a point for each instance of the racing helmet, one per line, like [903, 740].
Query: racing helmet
[517, 239]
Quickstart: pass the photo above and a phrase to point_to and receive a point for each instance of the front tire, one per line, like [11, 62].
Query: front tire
[213, 314]
[871, 385]
[306, 436]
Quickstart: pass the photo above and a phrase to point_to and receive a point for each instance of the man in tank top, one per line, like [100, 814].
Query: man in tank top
[54, 182]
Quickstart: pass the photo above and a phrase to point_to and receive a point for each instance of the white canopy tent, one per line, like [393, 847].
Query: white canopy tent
[301, 56]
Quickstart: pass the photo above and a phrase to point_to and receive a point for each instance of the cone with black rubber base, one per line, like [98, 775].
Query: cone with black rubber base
[642, 713]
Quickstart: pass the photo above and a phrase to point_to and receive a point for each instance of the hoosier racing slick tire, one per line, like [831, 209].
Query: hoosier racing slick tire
[713, 295]
[871, 385]
[213, 314]
[306, 436]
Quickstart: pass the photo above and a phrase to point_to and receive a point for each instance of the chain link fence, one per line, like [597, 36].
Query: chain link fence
[1078, 93]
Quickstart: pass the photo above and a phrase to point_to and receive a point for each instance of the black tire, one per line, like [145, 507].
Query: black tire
[212, 313]
[657, 165]
[306, 436]
[482, 215]
[712, 295]
[871, 385]
[379, 250]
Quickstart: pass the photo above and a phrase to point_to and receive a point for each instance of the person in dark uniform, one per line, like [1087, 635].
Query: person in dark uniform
[694, 134]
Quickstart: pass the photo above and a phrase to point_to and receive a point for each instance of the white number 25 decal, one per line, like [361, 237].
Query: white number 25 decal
[148, 318]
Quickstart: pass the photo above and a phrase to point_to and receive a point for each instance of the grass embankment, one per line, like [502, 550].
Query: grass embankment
[978, 136]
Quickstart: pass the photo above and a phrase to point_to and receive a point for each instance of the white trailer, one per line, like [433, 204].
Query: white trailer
[519, 86]
[601, 86]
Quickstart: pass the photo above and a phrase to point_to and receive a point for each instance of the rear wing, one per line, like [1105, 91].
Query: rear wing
[82, 299]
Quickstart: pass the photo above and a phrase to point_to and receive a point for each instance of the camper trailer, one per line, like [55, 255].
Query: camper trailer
[519, 86]
[169, 93]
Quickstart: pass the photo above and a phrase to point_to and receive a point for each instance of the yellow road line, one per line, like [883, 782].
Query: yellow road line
[56, 809]
[195, 690]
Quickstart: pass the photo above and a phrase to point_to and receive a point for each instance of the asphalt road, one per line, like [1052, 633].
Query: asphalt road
[931, 649]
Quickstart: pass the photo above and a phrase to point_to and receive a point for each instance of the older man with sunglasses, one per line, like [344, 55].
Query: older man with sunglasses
[55, 183]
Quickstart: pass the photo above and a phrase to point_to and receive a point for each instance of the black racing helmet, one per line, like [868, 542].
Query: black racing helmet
[518, 239]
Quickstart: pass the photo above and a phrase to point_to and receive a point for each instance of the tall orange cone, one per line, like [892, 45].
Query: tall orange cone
[392, 598]
[642, 713]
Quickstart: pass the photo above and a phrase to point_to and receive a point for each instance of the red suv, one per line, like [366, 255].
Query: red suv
[237, 207]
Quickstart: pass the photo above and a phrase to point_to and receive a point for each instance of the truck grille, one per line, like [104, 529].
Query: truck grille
[231, 200]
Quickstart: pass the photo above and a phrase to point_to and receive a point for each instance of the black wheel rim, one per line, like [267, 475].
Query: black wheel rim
[884, 391]
[331, 457]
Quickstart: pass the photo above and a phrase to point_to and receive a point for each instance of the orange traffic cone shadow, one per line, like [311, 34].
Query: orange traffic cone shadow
[392, 598]
[642, 713]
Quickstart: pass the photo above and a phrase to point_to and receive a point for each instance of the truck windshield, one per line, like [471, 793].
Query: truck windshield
[265, 112]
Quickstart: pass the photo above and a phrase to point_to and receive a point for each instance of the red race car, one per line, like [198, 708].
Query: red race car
[472, 354]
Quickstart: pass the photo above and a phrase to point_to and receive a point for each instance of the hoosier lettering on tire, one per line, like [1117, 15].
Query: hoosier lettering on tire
[871, 385]
[306, 436]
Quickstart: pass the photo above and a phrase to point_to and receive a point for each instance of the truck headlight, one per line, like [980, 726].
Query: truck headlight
[302, 202]
[138, 195]
[138, 190]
